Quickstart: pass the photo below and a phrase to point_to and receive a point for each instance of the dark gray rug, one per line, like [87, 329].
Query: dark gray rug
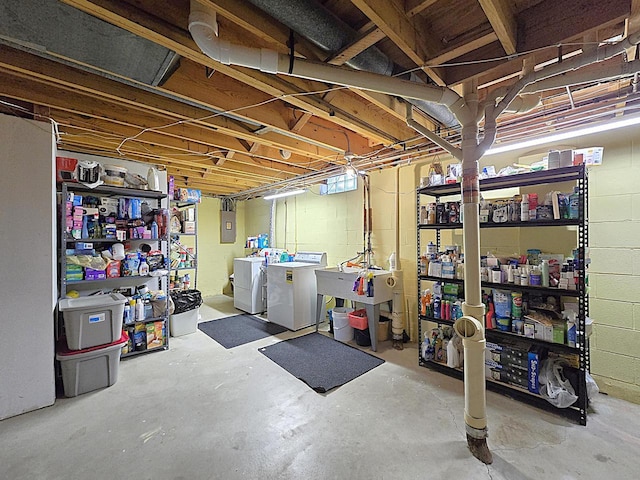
[321, 362]
[239, 329]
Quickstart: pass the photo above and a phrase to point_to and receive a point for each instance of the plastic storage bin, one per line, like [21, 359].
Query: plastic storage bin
[92, 321]
[184, 323]
[91, 368]
[358, 319]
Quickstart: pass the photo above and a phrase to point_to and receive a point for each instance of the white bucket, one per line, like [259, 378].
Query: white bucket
[340, 317]
[344, 334]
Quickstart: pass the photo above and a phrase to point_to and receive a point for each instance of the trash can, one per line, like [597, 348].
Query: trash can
[186, 311]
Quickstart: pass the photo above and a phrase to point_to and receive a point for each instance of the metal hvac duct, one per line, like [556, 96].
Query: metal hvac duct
[321, 27]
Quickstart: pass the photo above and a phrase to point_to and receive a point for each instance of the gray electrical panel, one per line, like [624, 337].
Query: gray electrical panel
[227, 227]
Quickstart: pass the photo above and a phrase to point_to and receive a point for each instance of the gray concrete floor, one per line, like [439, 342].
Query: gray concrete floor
[198, 411]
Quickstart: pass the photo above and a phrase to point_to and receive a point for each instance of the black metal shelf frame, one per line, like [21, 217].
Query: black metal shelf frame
[577, 174]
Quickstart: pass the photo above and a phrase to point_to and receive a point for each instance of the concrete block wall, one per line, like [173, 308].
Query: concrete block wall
[614, 239]
[614, 274]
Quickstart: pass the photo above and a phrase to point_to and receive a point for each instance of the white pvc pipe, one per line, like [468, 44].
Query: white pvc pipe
[396, 281]
[441, 142]
[473, 341]
[203, 28]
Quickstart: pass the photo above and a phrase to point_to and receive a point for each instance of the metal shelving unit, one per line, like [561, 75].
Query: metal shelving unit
[66, 239]
[191, 241]
[577, 175]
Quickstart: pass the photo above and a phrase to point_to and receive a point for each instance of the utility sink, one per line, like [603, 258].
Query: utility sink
[336, 283]
[332, 281]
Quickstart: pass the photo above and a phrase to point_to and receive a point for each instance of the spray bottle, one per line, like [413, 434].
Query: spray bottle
[571, 328]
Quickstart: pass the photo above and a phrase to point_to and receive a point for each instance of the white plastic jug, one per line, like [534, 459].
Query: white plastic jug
[152, 179]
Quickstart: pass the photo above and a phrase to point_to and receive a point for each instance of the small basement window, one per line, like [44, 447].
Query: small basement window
[339, 184]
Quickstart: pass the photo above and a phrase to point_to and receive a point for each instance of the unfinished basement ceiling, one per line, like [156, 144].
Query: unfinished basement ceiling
[136, 101]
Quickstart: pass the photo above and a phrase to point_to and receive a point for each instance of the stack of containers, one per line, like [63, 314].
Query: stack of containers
[342, 331]
[89, 354]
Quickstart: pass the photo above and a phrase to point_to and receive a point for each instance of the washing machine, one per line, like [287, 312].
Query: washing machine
[291, 290]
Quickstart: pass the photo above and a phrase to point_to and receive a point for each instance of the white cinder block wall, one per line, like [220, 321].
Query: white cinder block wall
[615, 269]
[614, 274]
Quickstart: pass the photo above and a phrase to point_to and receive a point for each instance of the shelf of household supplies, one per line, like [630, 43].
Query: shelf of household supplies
[112, 240]
[140, 352]
[113, 280]
[183, 268]
[442, 280]
[497, 335]
[146, 320]
[509, 286]
[513, 391]
[555, 175]
[183, 204]
[122, 191]
[533, 223]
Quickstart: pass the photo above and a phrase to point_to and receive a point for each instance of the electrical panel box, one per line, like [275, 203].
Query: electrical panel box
[227, 227]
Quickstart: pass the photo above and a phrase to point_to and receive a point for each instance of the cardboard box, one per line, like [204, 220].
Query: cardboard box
[189, 227]
[91, 274]
[516, 363]
[188, 195]
[66, 169]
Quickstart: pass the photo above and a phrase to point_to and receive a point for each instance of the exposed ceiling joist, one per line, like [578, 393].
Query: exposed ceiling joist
[390, 17]
[501, 17]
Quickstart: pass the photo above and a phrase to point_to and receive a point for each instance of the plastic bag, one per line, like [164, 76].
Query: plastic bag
[592, 387]
[554, 386]
[186, 300]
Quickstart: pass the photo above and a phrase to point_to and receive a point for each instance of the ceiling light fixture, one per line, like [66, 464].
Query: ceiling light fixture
[284, 194]
[602, 127]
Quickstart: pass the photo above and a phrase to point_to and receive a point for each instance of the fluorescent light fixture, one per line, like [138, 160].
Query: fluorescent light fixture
[602, 127]
[284, 194]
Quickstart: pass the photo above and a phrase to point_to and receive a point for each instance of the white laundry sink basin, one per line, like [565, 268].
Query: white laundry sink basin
[332, 281]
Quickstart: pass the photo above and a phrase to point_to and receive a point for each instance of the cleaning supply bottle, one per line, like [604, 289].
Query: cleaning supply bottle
[574, 204]
[154, 230]
[571, 328]
[139, 310]
[143, 269]
[490, 312]
[545, 273]
[126, 316]
[524, 208]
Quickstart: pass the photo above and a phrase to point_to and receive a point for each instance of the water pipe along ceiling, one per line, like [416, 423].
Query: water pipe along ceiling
[126, 79]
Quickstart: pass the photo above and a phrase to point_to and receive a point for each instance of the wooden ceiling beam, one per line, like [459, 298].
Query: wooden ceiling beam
[501, 17]
[391, 18]
[552, 21]
[370, 36]
[414, 7]
[67, 99]
[545, 25]
[36, 67]
[192, 154]
[343, 112]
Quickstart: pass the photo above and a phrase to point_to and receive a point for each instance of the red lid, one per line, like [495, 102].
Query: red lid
[63, 350]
